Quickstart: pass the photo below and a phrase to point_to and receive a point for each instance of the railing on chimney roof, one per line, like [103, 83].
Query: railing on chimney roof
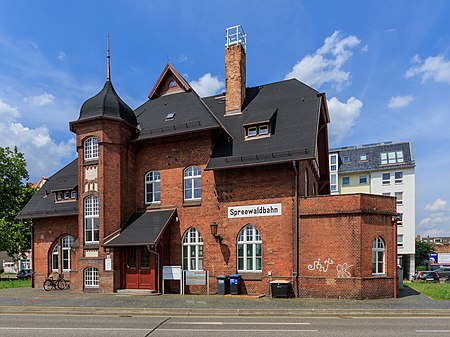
[236, 35]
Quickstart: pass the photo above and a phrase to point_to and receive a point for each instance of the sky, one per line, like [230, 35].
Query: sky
[384, 66]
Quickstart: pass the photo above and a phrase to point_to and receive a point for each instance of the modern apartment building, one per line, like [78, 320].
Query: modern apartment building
[385, 169]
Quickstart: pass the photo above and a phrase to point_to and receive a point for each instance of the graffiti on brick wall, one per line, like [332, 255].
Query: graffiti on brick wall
[342, 270]
[321, 266]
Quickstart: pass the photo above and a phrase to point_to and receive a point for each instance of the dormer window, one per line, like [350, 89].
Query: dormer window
[256, 131]
[252, 131]
[264, 130]
[65, 195]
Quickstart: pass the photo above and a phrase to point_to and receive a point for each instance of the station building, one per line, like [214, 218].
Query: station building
[233, 183]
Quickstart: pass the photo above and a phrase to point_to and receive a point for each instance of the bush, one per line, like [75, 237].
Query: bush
[421, 268]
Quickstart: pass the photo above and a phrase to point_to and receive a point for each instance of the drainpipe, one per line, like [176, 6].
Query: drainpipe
[296, 286]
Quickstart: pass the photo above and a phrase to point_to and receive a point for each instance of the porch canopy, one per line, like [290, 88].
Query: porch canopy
[142, 228]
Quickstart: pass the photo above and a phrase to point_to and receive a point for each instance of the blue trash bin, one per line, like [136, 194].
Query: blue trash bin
[235, 284]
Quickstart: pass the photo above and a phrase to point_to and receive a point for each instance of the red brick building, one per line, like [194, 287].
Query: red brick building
[233, 183]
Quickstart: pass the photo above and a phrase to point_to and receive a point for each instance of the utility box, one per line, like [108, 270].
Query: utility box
[235, 284]
[223, 285]
[280, 288]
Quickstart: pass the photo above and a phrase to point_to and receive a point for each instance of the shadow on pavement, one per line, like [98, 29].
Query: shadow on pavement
[407, 291]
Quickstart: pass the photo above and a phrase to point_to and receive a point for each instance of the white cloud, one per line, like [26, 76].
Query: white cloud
[42, 153]
[40, 100]
[400, 101]
[343, 116]
[435, 68]
[182, 58]
[7, 112]
[325, 65]
[207, 85]
[438, 205]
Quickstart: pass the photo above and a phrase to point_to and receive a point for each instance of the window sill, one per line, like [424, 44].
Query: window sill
[89, 162]
[251, 276]
[191, 203]
[154, 205]
[88, 246]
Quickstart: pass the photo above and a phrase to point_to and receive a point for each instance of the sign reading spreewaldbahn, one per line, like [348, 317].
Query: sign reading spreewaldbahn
[254, 210]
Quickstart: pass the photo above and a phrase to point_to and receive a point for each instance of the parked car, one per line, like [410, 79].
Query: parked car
[428, 276]
[443, 271]
[25, 274]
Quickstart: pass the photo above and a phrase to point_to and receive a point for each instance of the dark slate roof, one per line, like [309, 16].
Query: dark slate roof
[294, 108]
[143, 228]
[43, 204]
[191, 114]
[107, 103]
[373, 154]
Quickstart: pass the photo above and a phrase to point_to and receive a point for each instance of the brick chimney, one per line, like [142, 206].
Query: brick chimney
[235, 69]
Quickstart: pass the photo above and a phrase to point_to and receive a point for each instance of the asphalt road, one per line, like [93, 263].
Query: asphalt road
[99, 326]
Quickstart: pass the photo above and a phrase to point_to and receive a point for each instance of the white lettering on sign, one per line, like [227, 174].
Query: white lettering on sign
[254, 210]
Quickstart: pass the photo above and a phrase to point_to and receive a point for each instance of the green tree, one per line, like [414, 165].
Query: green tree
[423, 250]
[15, 192]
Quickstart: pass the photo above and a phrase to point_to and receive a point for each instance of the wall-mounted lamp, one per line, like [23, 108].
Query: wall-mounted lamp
[213, 228]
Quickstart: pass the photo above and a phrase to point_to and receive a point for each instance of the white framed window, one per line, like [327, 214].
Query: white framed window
[91, 148]
[386, 179]
[387, 194]
[399, 198]
[346, 159]
[399, 240]
[66, 195]
[192, 183]
[249, 250]
[400, 219]
[73, 194]
[393, 157]
[398, 177]
[152, 187]
[55, 258]
[363, 180]
[91, 278]
[345, 180]
[66, 245]
[192, 250]
[264, 130]
[252, 131]
[59, 196]
[333, 184]
[378, 256]
[91, 220]
[362, 157]
[333, 162]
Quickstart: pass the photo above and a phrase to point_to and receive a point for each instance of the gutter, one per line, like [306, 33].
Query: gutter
[296, 236]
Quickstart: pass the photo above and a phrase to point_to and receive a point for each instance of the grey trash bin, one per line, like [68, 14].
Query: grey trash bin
[280, 288]
[223, 284]
[235, 283]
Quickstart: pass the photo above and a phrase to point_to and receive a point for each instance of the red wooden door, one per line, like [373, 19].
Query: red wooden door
[140, 268]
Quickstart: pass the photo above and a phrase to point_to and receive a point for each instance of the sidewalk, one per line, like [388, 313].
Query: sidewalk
[28, 300]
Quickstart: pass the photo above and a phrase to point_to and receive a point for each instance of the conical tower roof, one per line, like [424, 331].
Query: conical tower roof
[108, 104]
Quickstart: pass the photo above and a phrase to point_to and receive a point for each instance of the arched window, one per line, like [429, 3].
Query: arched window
[55, 258]
[91, 222]
[378, 256]
[91, 148]
[192, 183]
[249, 250]
[192, 250]
[152, 187]
[60, 258]
[91, 278]
[66, 245]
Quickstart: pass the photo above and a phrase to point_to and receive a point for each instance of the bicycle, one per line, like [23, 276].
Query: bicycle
[50, 283]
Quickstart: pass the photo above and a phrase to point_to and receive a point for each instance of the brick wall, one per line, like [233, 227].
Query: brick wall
[336, 235]
[46, 232]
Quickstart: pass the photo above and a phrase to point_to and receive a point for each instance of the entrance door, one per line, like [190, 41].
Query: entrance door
[140, 268]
